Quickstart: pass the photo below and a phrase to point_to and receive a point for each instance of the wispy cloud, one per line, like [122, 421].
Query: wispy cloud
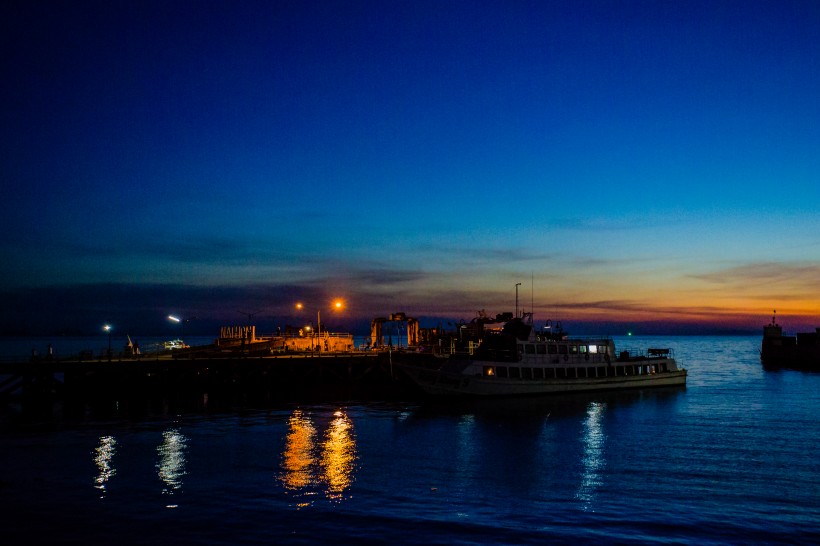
[796, 274]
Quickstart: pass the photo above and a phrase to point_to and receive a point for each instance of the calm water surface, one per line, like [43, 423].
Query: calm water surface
[732, 458]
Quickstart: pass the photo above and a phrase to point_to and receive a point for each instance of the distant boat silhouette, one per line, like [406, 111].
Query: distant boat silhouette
[800, 351]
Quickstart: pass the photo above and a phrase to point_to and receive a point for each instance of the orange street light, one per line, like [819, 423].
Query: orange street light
[337, 306]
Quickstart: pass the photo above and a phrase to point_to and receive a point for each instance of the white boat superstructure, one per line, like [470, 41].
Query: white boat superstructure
[174, 344]
[518, 362]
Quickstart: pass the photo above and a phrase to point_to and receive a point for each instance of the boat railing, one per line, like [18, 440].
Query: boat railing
[652, 353]
[292, 335]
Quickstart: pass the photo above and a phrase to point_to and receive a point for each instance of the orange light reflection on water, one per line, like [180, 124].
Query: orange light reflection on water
[339, 456]
[298, 455]
[311, 466]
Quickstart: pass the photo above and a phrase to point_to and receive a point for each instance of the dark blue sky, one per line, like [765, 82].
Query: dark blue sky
[635, 161]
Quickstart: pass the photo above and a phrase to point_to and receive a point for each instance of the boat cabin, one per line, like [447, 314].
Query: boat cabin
[564, 359]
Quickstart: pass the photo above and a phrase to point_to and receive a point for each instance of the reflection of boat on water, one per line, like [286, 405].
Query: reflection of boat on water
[800, 351]
[536, 409]
[517, 361]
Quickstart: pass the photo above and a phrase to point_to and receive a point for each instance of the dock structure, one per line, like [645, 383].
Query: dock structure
[377, 329]
[296, 364]
[192, 375]
[242, 337]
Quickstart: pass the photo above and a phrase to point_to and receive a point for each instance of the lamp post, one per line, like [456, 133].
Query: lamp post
[299, 307]
[516, 298]
[179, 320]
[337, 305]
[107, 329]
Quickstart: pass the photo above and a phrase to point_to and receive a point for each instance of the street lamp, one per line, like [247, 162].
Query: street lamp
[107, 329]
[182, 321]
[299, 306]
[337, 305]
[516, 298]
[178, 320]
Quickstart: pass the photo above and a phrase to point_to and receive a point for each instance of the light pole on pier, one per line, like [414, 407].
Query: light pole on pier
[178, 320]
[516, 298]
[107, 329]
[337, 305]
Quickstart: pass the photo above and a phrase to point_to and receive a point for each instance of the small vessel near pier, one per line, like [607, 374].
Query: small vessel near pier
[518, 361]
[800, 351]
[174, 344]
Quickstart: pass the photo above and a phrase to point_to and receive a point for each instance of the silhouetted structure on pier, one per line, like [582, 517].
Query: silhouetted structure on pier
[800, 351]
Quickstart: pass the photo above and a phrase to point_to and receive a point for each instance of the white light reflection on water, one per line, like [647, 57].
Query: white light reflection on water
[310, 467]
[594, 440]
[103, 456]
[171, 464]
[466, 440]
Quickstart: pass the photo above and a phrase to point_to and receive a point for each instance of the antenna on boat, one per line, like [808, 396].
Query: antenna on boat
[532, 297]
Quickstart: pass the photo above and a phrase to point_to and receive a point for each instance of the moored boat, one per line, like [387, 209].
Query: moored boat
[174, 344]
[517, 361]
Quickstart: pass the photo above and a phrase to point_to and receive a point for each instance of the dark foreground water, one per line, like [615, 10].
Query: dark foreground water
[733, 458]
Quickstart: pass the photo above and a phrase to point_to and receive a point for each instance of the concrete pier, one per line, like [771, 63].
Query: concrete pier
[211, 377]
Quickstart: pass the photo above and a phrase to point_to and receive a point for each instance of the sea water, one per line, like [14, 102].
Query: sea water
[732, 458]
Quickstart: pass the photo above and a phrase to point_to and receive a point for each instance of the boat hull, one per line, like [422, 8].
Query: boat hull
[800, 351]
[806, 358]
[443, 383]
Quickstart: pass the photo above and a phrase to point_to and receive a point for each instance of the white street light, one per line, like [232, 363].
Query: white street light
[107, 329]
[180, 320]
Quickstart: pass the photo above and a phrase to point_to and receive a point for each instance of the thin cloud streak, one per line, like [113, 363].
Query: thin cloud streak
[764, 272]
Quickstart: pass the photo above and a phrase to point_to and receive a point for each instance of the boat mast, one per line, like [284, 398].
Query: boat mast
[532, 297]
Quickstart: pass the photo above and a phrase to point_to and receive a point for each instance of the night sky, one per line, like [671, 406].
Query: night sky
[651, 165]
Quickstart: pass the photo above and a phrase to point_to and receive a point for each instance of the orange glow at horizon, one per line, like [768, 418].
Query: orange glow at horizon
[709, 293]
[735, 297]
